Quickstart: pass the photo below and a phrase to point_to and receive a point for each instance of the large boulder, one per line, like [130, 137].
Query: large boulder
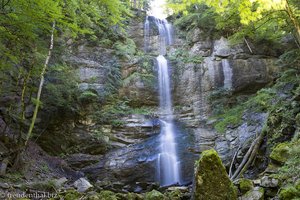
[211, 179]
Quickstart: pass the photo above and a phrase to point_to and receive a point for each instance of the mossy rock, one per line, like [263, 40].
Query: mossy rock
[245, 185]
[107, 195]
[71, 195]
[280, 153]
[154, 195]
[289, 193]
[174, 195]
[211, 179]
[256, 193]
[134, 196]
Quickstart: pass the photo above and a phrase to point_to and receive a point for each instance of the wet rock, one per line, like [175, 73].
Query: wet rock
[256, 193]
[78, 161]
[210, 173]
[134, 129]
[82, 185]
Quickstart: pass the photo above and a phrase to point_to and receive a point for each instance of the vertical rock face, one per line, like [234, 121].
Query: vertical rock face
[211, 180]
[222, 67]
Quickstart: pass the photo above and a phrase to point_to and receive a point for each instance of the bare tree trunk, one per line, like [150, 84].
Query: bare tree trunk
[38, 97]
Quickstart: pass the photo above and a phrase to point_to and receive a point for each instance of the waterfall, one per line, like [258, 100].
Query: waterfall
[146, 34]
[227, 71]
[168, 166]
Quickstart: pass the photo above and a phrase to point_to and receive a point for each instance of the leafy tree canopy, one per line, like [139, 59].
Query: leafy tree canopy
[276, 16]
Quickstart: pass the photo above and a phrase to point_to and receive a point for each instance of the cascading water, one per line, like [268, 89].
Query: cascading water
[168, 166]
[227, 71]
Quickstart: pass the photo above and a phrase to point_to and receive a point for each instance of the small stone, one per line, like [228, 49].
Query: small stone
[256, 194]
[60, 182]
[181, 189]
[257, 182]
[267, 181]
[82, 185]
[4, 185]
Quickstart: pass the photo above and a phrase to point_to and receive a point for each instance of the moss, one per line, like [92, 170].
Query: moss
[134, 196]
[174, 195]
[245, 185]
[107, 195]
[288, 193]
[71, 195]
[280, 153]
[154, 195]
[210, 173]
[232, 117]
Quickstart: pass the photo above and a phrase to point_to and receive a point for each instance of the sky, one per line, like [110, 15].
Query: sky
[157, 9]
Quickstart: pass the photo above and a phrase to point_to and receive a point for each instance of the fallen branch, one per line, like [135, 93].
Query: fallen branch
[253, 153]
[250, 155]
[233, 159]
[248, 45]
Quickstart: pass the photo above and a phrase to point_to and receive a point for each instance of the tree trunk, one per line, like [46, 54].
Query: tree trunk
[294, 21]
[38, 97]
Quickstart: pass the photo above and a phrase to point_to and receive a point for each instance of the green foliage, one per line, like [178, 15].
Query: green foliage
[289, 193]
[232, 117]
[154, 195]
[61, 91]
[262, 101]
[290, 170]
[114, 79]
[290, 59]
[125, 49]
[87, 97]
[202, 17]
[183, 55]
[255, 19]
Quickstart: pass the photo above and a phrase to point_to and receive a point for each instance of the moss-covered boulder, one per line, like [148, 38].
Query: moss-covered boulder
[154, 195]
[71, 194]
[211, 179]
[134, 196]
[288, 193]
[245, 185]
[107, 195]
[280, 153]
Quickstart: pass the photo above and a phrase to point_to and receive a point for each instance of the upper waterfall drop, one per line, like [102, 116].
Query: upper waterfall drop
[165, 32]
